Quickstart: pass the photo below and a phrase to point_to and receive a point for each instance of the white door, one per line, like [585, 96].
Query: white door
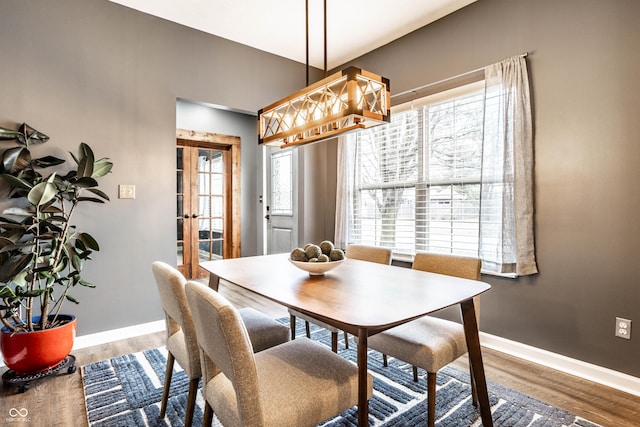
[282, 199]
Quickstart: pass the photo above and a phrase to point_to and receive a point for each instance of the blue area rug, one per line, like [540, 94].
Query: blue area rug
[126, 391]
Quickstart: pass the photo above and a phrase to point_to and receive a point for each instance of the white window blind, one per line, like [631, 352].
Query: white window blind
[417, 180]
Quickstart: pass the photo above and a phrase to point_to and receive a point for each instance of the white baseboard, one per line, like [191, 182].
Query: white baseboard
[587, 371]
[604, 376]
[118, 334]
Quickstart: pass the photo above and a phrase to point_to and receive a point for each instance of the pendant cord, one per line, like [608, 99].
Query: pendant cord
[306, 5]
[325, 38]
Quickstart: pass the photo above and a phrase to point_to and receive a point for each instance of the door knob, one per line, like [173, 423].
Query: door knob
[194, 216]
[267, 216]
[186, 216]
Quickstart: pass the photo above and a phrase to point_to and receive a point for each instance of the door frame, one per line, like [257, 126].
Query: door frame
[232, 177]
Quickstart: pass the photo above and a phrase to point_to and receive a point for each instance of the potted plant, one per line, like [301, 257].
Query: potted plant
[41, 251]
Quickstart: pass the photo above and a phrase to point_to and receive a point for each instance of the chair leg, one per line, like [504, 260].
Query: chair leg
[384, 360]
[474, 392]
[415, 373]
[431, 399]
[191, 401]
[292, 326]
[307, 329]
[346, 339]
[208, 415]
[167, 384]
[334, 342]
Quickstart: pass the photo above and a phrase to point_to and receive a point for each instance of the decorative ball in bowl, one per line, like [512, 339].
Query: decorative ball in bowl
[316, 268]
[317, 259]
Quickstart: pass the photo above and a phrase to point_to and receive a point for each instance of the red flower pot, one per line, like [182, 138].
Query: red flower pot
[31, 352]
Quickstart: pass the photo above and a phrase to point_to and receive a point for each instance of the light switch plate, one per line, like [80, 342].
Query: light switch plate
[126, 191]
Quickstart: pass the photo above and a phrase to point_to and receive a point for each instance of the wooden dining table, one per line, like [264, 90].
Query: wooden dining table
[361, 298]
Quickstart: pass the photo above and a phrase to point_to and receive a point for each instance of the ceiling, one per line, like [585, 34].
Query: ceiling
[354, 27]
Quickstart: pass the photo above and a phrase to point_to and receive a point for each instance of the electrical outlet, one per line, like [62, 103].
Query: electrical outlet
[126, 191]
[623, 328]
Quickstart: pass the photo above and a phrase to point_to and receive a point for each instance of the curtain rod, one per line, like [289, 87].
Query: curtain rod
[459, 76]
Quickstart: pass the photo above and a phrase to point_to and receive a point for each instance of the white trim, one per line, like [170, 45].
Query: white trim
[584, 370]
[118, 334]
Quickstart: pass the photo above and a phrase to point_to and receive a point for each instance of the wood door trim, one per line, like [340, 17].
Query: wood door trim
[232, 145]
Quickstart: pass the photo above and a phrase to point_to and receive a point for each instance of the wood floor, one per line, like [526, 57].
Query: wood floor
[59, 401]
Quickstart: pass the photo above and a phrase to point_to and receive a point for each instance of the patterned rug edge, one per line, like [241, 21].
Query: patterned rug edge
[397, 401]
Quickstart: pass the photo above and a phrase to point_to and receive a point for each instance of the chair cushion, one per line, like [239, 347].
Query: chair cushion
[264, 331]
[326, 383]
[429, 343]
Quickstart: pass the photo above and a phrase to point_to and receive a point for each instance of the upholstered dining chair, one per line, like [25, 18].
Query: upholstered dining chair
[298, 383]
[360, 252]
[431, 343]
[181, 343]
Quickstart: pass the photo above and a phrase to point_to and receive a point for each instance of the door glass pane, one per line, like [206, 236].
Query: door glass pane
[180, 234]
[217, 205]
[204, 184]
[216, 185]
[216, 162]
[204, 251]
[179, 200]
[204, 209]
[179, 182]
[216, 249]
[217, 228]
[180, 254]
[179, 158]
[281, 183]
[204, 160]
[204, 229]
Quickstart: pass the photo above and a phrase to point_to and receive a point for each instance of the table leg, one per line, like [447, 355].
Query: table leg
[475, 358]
[214, 282]
[363, 401]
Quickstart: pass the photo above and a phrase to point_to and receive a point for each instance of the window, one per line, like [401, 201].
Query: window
[417, 180]
[444, 174]
[281, 183]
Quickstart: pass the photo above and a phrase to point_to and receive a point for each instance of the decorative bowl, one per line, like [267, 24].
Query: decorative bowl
[316, 268]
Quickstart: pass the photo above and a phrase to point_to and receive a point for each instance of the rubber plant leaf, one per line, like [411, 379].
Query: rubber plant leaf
[86, 182]
[76, 262]
[85, 283]
[48, 161]
[42, 193]
[16, 182]
[13, 267]
[8, 134]
[88, 241]
[72, 299]
[101, 168]
[85, 161]
[16, 159]
[28, 135]
[99, 193]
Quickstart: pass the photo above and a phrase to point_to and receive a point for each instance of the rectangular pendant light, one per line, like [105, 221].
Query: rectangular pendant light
[343, 102]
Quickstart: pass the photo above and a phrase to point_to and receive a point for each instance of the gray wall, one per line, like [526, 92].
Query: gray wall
[98, 72]
[584, 69]
[89, 70]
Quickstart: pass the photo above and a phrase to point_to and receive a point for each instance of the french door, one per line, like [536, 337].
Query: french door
[204, 205]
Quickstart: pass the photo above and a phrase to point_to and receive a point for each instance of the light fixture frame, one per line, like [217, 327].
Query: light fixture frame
[345, 101]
